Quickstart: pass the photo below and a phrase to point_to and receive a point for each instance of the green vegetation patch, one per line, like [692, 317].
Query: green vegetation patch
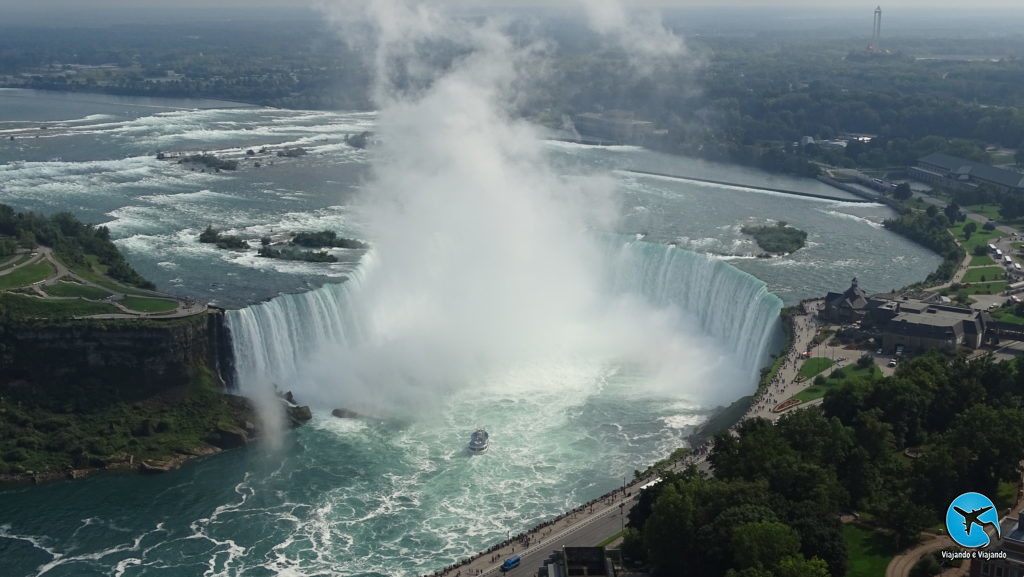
[848, 374]
[813, 366]
[326, 238]
[982, 260]
[74, 289]
[95, 272]
[20, 306]
[777, 239]
[171, 422]
[983, 288]
[869, 551]
[26, 275]
[932, 232]
[225, 241]
[15, 261]
[979, 237]
[149, 305]
[988, 210]
[989, 273]
[289, 253]
[1006, 315]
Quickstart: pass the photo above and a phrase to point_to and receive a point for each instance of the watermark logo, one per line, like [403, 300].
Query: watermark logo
[968, 516]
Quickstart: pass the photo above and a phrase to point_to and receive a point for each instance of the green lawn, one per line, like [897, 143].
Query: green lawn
[149, 305]
[74, 289]
[989, 211]
[850, 372]
[16, 260]
[32, 307]
[813, 366]
[26, 275]
[980, 237]
[869, 551]
[1006, 316]
[96, 273]
[984, 288]
[989, 272]
[982, 260]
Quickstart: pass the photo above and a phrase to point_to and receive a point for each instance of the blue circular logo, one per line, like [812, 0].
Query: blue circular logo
[967, 518]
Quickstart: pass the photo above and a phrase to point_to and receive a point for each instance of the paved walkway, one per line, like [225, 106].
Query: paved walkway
[536, 544]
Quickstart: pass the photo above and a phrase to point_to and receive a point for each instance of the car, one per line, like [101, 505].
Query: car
[892, 362]
[878, 352]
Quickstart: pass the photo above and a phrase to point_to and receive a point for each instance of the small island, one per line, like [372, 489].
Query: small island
[323, 239]
[778, 239]
[225, 241]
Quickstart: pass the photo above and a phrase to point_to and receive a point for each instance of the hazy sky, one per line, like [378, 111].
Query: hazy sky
[98, 12]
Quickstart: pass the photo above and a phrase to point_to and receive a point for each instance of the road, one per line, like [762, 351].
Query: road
[589, 526]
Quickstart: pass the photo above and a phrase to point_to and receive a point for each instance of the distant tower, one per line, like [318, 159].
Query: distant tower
[876, 35]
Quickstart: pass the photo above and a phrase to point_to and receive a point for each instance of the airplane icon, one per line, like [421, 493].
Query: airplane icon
[972, 518]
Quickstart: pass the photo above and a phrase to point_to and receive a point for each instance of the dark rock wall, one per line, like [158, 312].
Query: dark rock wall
[80, 364]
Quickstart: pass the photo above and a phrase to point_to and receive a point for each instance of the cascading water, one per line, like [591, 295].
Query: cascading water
[731, 305]
[274, 342]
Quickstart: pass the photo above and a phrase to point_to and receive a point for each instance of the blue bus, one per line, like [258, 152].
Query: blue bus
[510, 563]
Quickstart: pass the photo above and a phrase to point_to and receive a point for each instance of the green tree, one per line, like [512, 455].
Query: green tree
[671, 519]
[902, 191]
[763, 544]
[969, 229]
[800, 567]
[952, 212]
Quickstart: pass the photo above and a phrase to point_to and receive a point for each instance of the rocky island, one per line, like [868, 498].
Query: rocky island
[777, 239]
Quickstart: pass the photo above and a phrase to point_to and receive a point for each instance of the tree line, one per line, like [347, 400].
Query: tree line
[897, 449]
[73, 241]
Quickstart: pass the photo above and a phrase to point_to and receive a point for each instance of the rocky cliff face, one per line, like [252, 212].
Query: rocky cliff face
[80, 364]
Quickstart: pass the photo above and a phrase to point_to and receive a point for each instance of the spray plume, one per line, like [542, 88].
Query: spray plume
[485, 255]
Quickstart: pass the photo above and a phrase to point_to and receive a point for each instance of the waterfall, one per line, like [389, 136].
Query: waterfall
[273, 340]
[730, 305]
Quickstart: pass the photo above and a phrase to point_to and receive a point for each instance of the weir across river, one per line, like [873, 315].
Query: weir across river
[747, 186]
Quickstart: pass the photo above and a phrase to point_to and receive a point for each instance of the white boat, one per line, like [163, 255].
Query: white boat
[479, 441]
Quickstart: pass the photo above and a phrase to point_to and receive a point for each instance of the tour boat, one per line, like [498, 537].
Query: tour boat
[478, 442]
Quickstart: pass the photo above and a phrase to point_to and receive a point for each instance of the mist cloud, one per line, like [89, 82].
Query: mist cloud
[485, 257]
[640, 33]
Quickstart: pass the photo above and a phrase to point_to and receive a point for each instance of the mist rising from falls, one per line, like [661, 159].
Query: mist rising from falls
[485, 258]
[716, 324]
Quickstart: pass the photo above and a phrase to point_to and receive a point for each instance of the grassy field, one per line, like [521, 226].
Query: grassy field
[96, 273]
[1006, 316]
[26, 275]
[16, 260]
[988, 273]
[813, 366]
[869, 551]
[149, 305]
[849, 373]
[32, 307]
[980, 237]
[985, 288]
[73, 289]
[983, 260]
[989, 211]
